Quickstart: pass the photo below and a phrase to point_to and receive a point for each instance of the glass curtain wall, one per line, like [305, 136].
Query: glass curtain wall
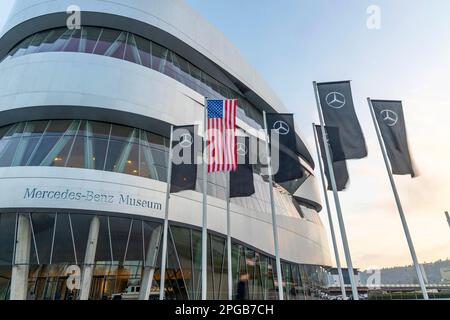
[58, 242]
[116, 148]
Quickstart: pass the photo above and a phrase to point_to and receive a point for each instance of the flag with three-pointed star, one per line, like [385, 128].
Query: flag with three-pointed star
[339, 166]
[285, 163]
[184, 153]
[391, 121]
[338, 111]
[241, 180]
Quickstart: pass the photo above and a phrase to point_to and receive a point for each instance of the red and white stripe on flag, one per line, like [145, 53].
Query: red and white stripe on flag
[222, 153]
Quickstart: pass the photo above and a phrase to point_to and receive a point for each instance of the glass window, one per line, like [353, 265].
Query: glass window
[50, 39]
[154, 140]
[7, 151]
[135, 249]
[9, 144]
[100, 130]
[43, 227]
[61, 150]
[182, 238]
[35, 128]
[114, 152]
[36, 42]
[73, 44]
[181, 64]
[219, 267]
[258, 289]
[176, 286]
[117, 47]
[5, 282]
[144, 47]
[159, 158]
[24, 150]
[79, 155]
[123, 154]
[4, 130]
[81, 224]
[107, 38]
[89, 38]
[58, 127]
[196, 261]
[172, 67]
[162, 173]
[15, 131]
[103, 252]
[41, 151]
[195, 73]
[63, 246]
[21, 49]
[120, 228]
[131, 164]
[159, 56]
[99, 147]
[148, 229]
[7, 228]
[147, 167]
[123, 133]
[62, 41]
[132, 51]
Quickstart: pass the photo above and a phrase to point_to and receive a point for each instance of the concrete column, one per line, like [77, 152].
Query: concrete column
[89, 259]
[19, 277]
[150, 263]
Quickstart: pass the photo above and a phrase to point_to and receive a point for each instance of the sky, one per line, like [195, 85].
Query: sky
[294, 42]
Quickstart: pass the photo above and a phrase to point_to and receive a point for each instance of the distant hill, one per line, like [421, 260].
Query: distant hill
[407, 274]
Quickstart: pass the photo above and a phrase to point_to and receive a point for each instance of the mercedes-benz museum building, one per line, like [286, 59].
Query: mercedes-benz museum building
[85, 115]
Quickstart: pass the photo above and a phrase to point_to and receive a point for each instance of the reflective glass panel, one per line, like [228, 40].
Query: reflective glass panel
[7, 228]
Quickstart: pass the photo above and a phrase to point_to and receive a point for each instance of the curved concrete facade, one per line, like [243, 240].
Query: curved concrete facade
[54, 85]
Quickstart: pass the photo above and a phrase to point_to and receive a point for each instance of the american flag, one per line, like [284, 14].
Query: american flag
[222, 154]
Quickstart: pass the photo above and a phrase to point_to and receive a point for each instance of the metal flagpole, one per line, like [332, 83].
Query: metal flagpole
[229, 265]
[274, 216]
[330, 218]
[337, 202]
[205, 199]
[399, 204]
[166, 221]
[447, 215]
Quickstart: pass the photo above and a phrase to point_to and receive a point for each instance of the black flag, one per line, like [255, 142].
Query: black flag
[184, 167]
[339, 166]
[241, 180]
[391, 121]
[289, 167]
[338, 111]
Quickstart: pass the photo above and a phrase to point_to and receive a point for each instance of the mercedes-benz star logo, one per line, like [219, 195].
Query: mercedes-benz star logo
[389, 117]
[335, 100]
[186, 140]
[241, 149]
[281, 127]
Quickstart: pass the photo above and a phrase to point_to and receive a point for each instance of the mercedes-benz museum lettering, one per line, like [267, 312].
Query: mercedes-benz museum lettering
[85, 116]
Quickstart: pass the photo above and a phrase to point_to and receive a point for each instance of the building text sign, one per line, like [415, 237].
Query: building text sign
[90, 196]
